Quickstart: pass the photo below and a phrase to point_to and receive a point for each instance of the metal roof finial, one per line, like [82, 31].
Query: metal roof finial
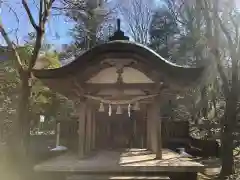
[118, 24]
[118, 34]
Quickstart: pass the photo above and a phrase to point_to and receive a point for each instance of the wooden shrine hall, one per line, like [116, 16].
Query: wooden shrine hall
[118, 87]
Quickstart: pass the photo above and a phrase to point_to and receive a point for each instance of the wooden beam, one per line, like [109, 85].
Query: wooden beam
[88, 87]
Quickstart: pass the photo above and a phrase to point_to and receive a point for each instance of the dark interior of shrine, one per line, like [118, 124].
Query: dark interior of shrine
[121, 131]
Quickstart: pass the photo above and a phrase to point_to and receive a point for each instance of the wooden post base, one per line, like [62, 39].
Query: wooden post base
[159, 155]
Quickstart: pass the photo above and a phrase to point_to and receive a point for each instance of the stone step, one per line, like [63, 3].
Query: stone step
[104, 177]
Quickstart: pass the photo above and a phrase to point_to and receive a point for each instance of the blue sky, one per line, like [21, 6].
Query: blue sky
[56, 24]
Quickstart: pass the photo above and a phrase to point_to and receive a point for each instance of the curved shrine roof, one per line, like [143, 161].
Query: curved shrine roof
[62, 79]
[149, 57]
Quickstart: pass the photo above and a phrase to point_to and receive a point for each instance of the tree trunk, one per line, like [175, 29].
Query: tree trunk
[227, 135]
[19, 140]
[24, 114]
[230, 121]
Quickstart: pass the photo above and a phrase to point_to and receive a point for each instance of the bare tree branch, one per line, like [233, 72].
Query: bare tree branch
[11, 46]
[213, 42]
[232, 48]
[137, 15]
[40, 14]
[226, 33]
[236, 29]
[222, 74]
[176, 10]
[44, 12]
[47, 11]
[51, 3]
[25, 5]
[17, 19]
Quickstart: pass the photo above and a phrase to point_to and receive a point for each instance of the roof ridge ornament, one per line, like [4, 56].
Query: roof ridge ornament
[118, 34]
[118, 25]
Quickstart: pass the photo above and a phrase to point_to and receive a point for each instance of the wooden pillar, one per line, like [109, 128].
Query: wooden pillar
[158, 129]
[81, 129]
[58, 135]
[88, 130]
[148, 119]
[155, 127]
[93, 129]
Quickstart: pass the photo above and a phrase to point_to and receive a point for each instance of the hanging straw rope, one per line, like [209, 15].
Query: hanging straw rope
[119, 102]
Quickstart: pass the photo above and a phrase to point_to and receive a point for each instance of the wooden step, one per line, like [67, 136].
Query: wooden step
[104, 177]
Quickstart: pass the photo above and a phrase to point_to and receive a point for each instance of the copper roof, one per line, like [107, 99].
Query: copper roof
[150, 57]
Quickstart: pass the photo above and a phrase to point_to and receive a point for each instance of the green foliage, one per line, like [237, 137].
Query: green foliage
[50, 60]
[163, 28]
[177, 33]
[235, 176]
[42, 100]
[8, 96]
[89, 28]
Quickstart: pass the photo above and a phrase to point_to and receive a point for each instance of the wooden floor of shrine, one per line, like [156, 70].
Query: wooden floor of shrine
[130, 160]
